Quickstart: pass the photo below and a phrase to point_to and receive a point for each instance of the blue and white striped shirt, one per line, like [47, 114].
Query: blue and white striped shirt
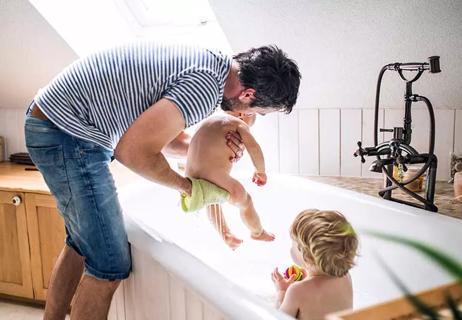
[98, 97]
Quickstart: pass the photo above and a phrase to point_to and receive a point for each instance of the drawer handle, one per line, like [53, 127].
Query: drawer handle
[16, 200]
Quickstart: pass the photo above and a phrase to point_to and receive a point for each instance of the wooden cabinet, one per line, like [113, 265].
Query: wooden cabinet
[46, 238]
[31, 233]
[15, 266]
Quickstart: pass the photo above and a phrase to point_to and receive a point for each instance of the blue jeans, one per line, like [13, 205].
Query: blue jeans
[77, 173]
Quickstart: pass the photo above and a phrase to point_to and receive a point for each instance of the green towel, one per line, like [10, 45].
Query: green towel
[203, 194]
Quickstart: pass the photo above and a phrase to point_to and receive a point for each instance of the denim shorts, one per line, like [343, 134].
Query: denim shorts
[77, 173]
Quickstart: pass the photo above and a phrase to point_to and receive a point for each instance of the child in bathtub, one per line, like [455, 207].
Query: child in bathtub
[324, 244]
[209, 159]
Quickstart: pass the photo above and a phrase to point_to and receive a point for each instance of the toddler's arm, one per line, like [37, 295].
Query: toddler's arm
[289, 303]
[286, 299]
[253, 148]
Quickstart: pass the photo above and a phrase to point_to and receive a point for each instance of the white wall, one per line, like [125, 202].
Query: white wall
[339, 46]
[322, 141]
[31, 53]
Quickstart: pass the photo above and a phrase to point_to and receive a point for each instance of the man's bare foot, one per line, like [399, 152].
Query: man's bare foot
[263, 236]
[231, 240]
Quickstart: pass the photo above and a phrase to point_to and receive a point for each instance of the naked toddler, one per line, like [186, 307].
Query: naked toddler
[209, 159]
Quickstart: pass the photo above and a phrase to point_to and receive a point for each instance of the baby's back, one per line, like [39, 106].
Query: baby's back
[208, 151]
[323, 295]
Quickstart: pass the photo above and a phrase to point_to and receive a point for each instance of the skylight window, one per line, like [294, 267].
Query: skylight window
[189, 21]
[89, 25]
[152, 13]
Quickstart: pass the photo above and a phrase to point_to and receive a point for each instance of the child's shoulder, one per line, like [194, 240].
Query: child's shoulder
[323, 284]
[300, 290]
[224, 117]
[314, 284]
[299, 286]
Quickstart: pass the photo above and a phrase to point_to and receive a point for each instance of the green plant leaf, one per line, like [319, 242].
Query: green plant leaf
[416, 302]
[450, 265]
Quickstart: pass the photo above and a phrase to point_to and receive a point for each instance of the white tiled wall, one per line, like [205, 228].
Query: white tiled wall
[317, 141]
[322, 141]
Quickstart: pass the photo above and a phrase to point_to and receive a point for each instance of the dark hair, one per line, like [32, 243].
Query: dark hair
[272, 74]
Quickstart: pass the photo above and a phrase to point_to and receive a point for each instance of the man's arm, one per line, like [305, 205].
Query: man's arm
[140, 147]
[252, 147]
[178, 147]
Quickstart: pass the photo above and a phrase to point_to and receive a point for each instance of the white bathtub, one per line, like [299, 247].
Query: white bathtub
[182, 270]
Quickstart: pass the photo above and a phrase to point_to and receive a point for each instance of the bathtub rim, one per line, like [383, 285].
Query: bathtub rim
[158, 244]
[231, 300]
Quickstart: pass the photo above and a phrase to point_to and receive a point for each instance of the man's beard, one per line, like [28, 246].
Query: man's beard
[226, 104]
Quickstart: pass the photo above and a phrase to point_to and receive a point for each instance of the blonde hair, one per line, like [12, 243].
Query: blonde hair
[326, 240]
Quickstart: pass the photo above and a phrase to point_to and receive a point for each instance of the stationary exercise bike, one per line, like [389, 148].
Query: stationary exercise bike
[398, 151]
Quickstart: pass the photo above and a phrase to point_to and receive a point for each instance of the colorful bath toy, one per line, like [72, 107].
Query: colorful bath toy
[294, 269]
[203, 194]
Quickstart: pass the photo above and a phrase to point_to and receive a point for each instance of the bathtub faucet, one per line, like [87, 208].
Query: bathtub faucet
[398, 152]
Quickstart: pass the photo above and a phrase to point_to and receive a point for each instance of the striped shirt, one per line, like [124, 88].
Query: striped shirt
[98, 97]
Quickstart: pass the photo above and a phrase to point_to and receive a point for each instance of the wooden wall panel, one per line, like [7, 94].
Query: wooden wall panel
[288, 143]
[350, 134]
[266, 131]
[329, 142]
[368, 140]
[309, 142]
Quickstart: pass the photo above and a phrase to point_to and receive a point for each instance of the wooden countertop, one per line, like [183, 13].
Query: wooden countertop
[23, 178]
[16, 177]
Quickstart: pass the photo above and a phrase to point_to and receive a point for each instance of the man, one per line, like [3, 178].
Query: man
[132, 103]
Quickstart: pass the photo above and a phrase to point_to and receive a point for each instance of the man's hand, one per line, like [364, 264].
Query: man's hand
[259, 178]
[234, 142]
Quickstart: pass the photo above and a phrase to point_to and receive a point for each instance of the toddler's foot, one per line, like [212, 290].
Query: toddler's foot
[231, 240]
[263, 236]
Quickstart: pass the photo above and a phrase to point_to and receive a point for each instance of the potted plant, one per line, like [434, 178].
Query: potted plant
[443, 302]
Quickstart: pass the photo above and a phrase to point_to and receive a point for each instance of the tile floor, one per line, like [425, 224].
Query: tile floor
[17, 311]
[11, 310]
[444, 195]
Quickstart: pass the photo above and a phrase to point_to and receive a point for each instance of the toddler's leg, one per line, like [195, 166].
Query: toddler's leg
[216, 217]
[240, 198]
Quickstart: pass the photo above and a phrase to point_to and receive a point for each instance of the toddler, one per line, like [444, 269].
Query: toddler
[324, 244]
[209, 159]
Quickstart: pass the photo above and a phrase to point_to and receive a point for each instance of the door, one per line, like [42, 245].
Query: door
[15, 267]
[46, 236]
